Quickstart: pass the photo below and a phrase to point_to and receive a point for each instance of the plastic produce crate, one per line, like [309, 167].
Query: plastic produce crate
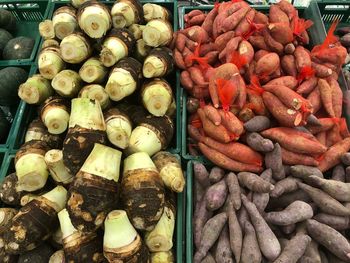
[28, 13]
[317, 34]
[14, 114]
[8, 167]
[171, 5]
[331, 10]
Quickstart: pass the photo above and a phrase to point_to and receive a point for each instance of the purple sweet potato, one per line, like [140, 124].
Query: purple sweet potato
[216, 174]
[258, 143]
[216, 195]
[273, 160]
[235, 231]
[223, 251]
[201, 174]
[338, 173]
[257, 124]
[336, 222]
[262, 199]
[234, 190]
[286, 185]
[254, 182]
[200, 216]
[250, 248]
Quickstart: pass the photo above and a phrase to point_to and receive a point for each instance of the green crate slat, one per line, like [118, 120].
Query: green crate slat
[317, 34]
[331, 10]
[28, 13]
[16, 112]
[3, 155]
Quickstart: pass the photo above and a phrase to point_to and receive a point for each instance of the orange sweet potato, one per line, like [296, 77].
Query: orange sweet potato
[209, 20]
[287, 8]
[281, 32]
[332, 156]
[197, 20]
[333, 136]
[231, 123]
[222, 40]
[260, 18]
[287, 81]
[292, 158]
[205, 48]
[197, 34]
[242, 94]
[325, 125]
[286, 117]
[267, 64]
[288, 65]
[258, 42]
[271, 43]
[231, 46]
[244, 26]
[260, 53]
[322, 138]
[302, 58]
[326, 96]
[212, 114]
[337, 97]
[315, 99]
[307, 86]
[180, 41]
[293, 140]
[197, 76]
[289, 49]
[212, 57]
[233, 20]
[179, 61]
[185, 80]
[276, 15]
[335, 55]
[256, 103]
[321, 71]
[246, 49]
[225, 162]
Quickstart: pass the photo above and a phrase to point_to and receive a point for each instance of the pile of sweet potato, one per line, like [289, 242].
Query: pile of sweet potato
[256, 90]
[251, 218]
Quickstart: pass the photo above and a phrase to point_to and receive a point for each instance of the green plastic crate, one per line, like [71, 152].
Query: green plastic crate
[14, 113]
[331, 10]
[317, 34]
[8, 167]
[28, 13]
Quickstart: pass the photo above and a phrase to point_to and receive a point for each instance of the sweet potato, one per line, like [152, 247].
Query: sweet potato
[297, 211]
[180, 41]
[235, 231]
[212, 114]
[335, 55]
[304, 172]
[262, 199]
[338, 173]
[326, 96]
[337, 97]
[231, 123]
[216, 174]
[287, 8]
[200, 216]
[217, 132]
[294, 249]
[313, 120]
[271, 43]
[293, 140]
[257, 124]
[222, 40]
[258, 143]
[190, 44]
[336, 222]
[284, 115]
[325, 125]
[302, 58]
[267, 64]
[197, 76]
[288, 65]
[231, 46]
[250, 247]
[198, 192]
[244, 25]
[209, 20]
[197, 20]
[212, 57]
[179, 61]
[268, 243]
[201, 174]
[329, 238]
[281, 32]
[233, 20]
[312, 253]
[287, 81]
[345, 158]
[260, 18]
[206, 48]
[324, 201]
[246, 49]
[242, 94]
[332, 156]
[193, 13]
[276, 15]
[185, 80]
[333, 136]
[289, 49]
[225, 162]
[286, 199]
[336, 189]
[210, 234]
[307, 86]
[197, 34]
[321, 71]
[258, 42]
[216, 195]
[286, 185]
[291, 158]
[254, 183]
[260, 53]
[315, 99]
[246, 114]
[208, 259]
[273, 160]
[223, 250]
[257, 104]
[322, 138]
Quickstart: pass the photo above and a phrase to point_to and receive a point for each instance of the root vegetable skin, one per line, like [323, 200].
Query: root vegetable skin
[330, 238]
[262, 199]
[235, 233]
[332, 157]
[216, 174]
[216, 195]
[223, 249]
[285, 185]
[257, 124]
[258, 143]
[200, 217]
[250, 247]
[234, 190]
[254, 182]
[273, 160]
[336, 222]
[267, 64]
[268, 243]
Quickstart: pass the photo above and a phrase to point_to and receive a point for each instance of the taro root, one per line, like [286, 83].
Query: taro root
[67, 83]
[119, 127]
[38, 131]
[57, 257]
[46, 29]
[86, 127]
[151, 135]
[64, 21]
[31, 169]
[58, 171]
[96, 92]
[136, 30]
[154, 11]
[35, 90]
[127, 12]
[142, 191]
[50, 43]
[78, 246]
[93, 71]
[157, 33]
[158, 63]
[40, 254]
[157, 96]
[141, 50]
[75, 48]
[94, 191]
[55, 114]
[94, 19]
[8, 192]
[170, 170]
[50, 62]
[118, 44]
[121, 242]
[124, 79]
[34, 222]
